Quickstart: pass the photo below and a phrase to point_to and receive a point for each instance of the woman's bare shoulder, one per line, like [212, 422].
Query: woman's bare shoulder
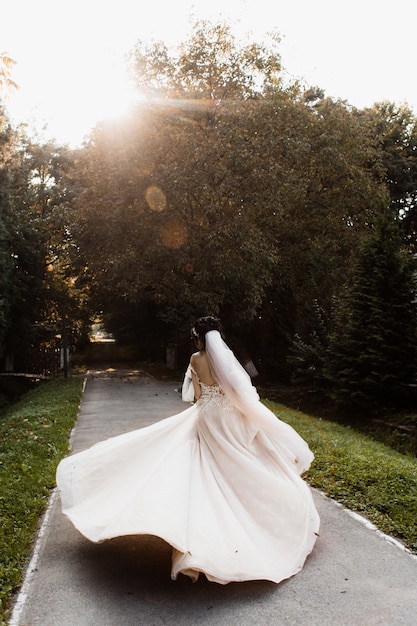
[195, 361]
[194, 357]
[199, 358]
[200, 364]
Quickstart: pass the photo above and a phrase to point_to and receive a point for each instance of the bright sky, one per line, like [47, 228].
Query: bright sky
[69, 53]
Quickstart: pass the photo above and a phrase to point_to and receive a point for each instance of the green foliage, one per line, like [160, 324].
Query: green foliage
[174, 227]
[7, 149]
[224, 192]
[307, 356]
[211, 65]
[196, 207]
[364, 475]
[396, 430]
[395, 128]
[5, 275]
[372, 357]
[41, 281]
[34, 434]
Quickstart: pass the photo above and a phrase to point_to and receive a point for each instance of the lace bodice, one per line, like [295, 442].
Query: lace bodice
[210, 391]
[213, 395]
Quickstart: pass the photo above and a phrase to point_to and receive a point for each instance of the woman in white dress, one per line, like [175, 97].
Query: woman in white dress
[220, 481]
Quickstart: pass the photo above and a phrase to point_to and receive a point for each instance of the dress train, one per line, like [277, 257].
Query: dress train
[225, 494]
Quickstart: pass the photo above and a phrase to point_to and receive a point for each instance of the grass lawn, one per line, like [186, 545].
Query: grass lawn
[361, 473]
[34, 436]
[364, 475]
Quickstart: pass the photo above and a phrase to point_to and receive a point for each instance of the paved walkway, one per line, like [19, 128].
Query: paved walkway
[355, 576]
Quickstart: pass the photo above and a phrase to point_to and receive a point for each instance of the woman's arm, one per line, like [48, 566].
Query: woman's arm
[196, 383]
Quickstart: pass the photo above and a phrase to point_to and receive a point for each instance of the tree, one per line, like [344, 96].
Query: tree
[395, 131]
[326, 198]
[8, 149]
[336, 200]
[169, 192]
[6, 82]
[42, 286]
[236, 206]
[367, 160]
[211, 65]
[372, 357]
[162, 217]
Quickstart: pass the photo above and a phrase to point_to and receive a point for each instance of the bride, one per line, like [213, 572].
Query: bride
[220, 481]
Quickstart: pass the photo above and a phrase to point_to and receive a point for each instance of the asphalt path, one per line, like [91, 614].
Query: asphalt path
[355, 575]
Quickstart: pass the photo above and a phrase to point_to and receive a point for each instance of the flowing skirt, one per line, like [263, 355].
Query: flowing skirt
[207, 481]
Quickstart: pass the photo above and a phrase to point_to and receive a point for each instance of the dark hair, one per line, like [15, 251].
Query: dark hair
[202, 326]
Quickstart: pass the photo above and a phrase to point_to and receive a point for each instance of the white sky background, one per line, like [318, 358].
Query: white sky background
[69, 53]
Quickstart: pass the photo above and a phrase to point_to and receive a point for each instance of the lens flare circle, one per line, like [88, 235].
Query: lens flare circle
[173, 234]
[155, 198]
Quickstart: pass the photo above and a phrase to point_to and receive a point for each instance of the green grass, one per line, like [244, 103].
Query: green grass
[397, 431]
[364, 475]
[34, 436]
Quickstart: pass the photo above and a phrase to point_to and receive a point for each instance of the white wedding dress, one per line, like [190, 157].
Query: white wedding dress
[220, 482]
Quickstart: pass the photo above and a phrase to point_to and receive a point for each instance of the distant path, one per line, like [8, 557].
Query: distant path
[354, 576]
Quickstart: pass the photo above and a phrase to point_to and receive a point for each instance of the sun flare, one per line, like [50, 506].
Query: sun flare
[70, 63]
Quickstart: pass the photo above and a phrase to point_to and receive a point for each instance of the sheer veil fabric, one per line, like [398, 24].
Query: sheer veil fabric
[220, 482]
[237, 385]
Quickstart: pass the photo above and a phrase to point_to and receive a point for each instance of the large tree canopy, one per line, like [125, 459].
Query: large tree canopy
[225, 189]
[168, 219]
